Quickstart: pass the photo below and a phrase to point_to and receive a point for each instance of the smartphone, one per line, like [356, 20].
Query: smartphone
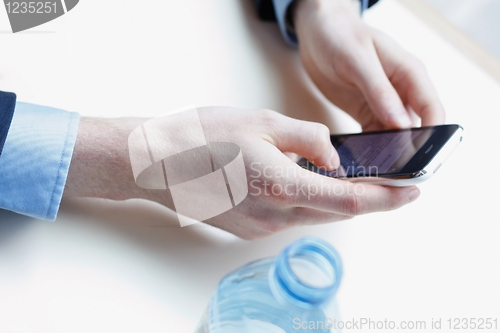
[394, 157]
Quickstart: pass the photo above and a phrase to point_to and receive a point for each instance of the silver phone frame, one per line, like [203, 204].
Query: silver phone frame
[419, 176]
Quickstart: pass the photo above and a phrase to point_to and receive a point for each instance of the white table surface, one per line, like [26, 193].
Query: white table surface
[128, 267]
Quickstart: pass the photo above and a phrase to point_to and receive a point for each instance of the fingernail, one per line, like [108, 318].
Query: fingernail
[334, 160]
[413, 195]
[399, 118]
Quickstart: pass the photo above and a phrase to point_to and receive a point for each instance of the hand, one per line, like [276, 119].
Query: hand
[361, 70]
[281, 194]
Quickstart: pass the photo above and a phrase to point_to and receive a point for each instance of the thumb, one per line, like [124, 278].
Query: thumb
[308, 139]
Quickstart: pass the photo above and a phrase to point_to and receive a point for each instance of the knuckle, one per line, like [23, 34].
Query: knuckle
[414, 65]
[269, 119]
[381, 91]
[347, 218]
[397, 200]
[393, 199]
[321, 138]
[429, 110]
[247, 236]
[273, 227]
[267, 115]
[352, 205]
[343, 218]
[254, 234]
[323, 130]
[417, 62]
[269, 224]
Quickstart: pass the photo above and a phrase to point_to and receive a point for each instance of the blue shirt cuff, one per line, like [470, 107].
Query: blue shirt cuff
[35, 160]
[280, 8]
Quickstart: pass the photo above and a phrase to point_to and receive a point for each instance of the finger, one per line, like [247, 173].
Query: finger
[411, 80]
[294, 157]
[370, 122]
[296, 216]
[415, 119]
[378, 90]
[421, 94]
[346, 198]
[309, 216]
[308, 139]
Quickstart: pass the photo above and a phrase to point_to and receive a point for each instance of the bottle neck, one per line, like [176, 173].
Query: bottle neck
[307, 273]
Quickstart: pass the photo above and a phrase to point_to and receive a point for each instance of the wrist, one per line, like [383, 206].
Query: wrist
[100, 166]
[303, 12]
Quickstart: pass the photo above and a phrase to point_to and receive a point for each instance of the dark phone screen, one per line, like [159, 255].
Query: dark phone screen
[386, 152]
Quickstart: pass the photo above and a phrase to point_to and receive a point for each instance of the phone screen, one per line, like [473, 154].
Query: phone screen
[374, 154]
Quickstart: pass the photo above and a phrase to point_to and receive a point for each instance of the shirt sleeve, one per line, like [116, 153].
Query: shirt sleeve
[280, 9]
[35, 160]
[280, 12]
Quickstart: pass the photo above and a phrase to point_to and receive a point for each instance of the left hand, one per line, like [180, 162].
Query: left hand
[361, 70]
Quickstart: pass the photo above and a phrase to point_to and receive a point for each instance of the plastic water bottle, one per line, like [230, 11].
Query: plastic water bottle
[293, 292]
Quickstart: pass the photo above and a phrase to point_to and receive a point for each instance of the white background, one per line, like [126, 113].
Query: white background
[478, 18]
[128, 267]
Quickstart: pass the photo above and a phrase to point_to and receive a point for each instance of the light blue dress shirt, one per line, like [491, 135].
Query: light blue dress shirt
[35, 160]
[280, 8]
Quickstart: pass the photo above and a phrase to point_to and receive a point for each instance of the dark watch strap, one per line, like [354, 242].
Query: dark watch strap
[7, 106]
